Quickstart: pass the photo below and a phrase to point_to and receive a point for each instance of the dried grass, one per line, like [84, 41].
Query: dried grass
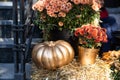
[74, 71]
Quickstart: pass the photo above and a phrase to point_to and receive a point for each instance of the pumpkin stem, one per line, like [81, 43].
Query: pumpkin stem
[51, 43]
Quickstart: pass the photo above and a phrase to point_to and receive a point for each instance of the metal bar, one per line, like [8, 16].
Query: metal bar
[19, 47]
[15, 12]
[15, 22]
[22, 41]
[29, 42]
[22, 21]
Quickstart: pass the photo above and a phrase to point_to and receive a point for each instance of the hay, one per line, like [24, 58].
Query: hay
[73, 71]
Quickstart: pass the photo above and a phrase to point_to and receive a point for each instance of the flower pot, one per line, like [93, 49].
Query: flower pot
[87, 56]
[57, 34]
[65, 35]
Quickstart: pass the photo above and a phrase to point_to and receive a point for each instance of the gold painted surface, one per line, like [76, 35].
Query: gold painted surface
[52, 54]
[87, 55]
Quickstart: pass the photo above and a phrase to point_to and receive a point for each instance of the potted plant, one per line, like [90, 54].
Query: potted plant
[91, 36]
[65, 14]
[90, 40]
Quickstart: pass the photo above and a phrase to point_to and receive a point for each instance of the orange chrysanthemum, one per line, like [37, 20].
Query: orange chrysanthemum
[69, 14]
[60, 23]
[91, 34]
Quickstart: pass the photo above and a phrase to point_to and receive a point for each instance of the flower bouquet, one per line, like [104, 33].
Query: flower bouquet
[90, 40]
[65, 14]
[91, 36]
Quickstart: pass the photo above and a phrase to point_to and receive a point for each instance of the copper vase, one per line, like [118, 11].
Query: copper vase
[87, 56]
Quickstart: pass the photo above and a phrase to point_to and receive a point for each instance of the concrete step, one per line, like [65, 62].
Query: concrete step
[7, 71]
[6, 22]
[6, 5]
[9, 42]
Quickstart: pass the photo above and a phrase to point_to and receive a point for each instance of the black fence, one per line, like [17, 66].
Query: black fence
[16, 31]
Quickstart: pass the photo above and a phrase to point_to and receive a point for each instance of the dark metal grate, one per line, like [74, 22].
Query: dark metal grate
[14, 27]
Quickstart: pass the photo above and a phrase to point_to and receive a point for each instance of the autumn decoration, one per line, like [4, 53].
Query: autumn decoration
[65, 14]
[90, 40]
[52, 54]
[91, 36]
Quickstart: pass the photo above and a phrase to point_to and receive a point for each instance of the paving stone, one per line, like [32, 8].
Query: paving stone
[7, 71]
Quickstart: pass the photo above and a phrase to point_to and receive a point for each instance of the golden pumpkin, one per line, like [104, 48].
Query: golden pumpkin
[52, 54]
